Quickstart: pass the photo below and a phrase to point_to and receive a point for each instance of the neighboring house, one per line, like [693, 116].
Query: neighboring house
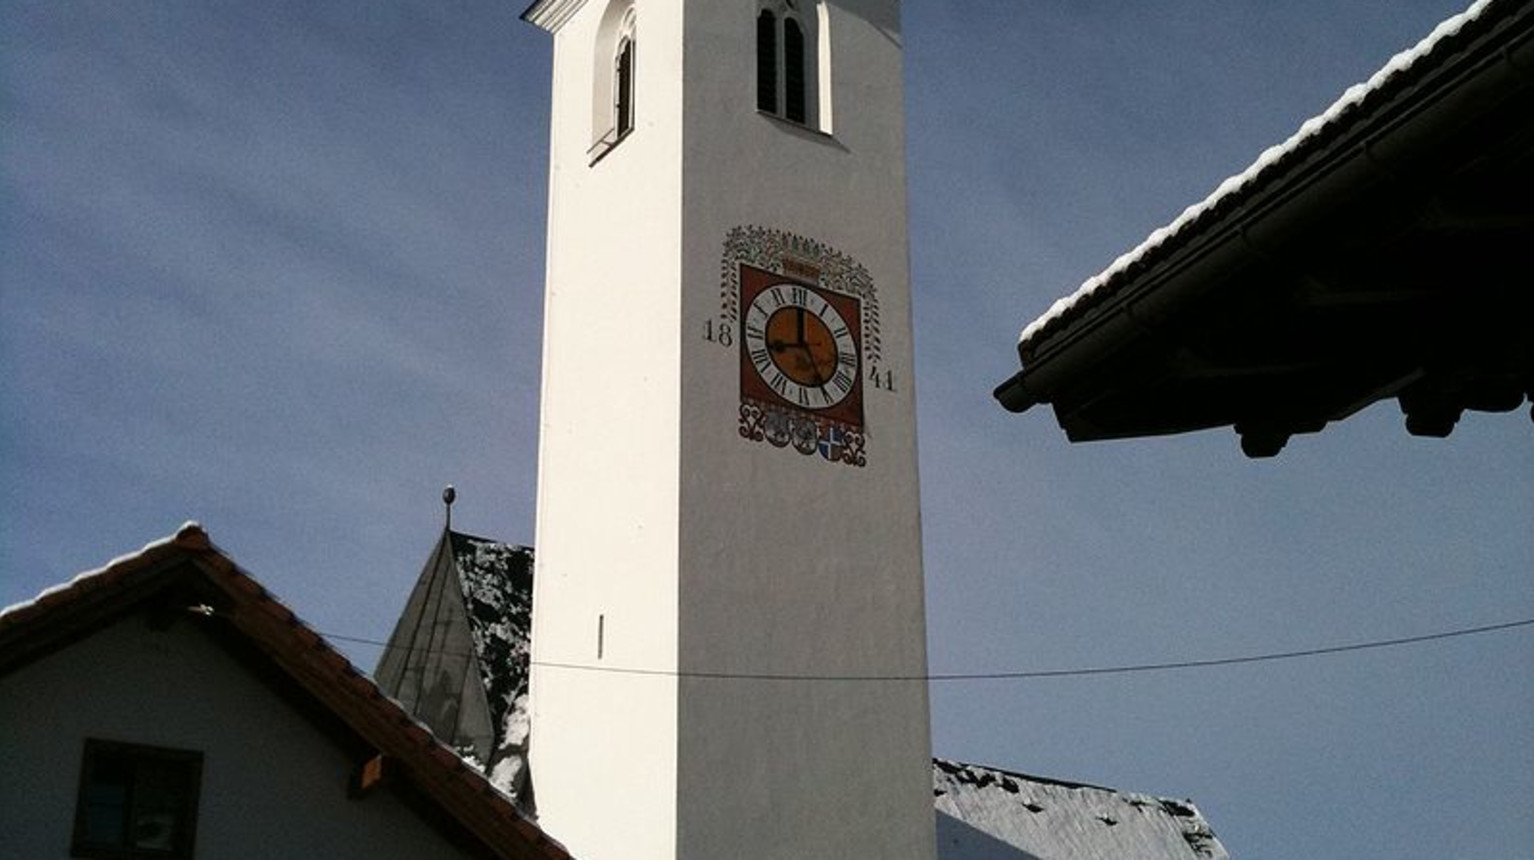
[167, 706]
[458, 661]
[1380, 252]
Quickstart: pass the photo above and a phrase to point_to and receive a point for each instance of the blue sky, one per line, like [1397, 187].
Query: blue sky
[277, 268]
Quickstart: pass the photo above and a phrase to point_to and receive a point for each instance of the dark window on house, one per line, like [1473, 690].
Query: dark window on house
[624, 100]
[136, 801]
[793, 70]
[767, 61]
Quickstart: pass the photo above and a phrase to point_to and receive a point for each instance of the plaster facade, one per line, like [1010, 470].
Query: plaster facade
[273, 784]
[672, 545]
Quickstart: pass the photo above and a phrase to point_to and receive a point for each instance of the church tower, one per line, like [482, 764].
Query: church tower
[729, 631]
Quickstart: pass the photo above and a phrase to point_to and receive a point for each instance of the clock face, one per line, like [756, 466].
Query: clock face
[800, 347]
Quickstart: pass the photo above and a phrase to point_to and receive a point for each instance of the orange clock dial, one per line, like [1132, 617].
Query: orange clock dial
[801, 346]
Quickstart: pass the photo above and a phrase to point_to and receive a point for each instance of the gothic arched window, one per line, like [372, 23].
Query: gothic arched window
[623, 82]
[613, 78]
[790, 61]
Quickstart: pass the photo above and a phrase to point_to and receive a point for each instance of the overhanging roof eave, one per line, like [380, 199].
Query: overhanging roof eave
[1272, 209]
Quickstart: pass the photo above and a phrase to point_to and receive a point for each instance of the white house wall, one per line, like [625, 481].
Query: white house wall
[272, 784]
[603, 751]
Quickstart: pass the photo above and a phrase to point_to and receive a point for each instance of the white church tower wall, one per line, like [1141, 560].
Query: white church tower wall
[728, 522]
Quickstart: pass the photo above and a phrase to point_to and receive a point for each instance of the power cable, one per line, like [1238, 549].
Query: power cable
[943, 677]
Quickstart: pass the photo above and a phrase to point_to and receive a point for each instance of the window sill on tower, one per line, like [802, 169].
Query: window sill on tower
[605, 144]
[809, 131]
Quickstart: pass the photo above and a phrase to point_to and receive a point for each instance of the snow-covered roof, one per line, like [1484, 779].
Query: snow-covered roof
[497, 583]
[80, 579]
[1274, 162]
[989, 814]
[469, 614]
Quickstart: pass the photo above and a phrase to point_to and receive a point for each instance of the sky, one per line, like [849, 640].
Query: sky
[277, 268]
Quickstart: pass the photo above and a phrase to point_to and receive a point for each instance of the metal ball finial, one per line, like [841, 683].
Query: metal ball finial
[449, 495]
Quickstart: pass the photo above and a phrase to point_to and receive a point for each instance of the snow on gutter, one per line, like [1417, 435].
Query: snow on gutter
[1260, 169]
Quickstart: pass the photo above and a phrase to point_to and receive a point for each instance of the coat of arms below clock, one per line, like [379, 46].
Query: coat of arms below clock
[801, 381]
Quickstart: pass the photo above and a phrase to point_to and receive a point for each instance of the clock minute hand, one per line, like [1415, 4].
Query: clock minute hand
[820, 376]
[809, 351]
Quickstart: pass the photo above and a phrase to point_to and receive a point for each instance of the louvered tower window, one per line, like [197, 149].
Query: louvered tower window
[790, 48]
[793, 70]
[767, 61]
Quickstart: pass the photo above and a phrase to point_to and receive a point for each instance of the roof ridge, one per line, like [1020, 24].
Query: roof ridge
[1044, 780]
[473, 537]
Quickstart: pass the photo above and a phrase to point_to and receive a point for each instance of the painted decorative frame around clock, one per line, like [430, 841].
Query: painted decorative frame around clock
[832, 291]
